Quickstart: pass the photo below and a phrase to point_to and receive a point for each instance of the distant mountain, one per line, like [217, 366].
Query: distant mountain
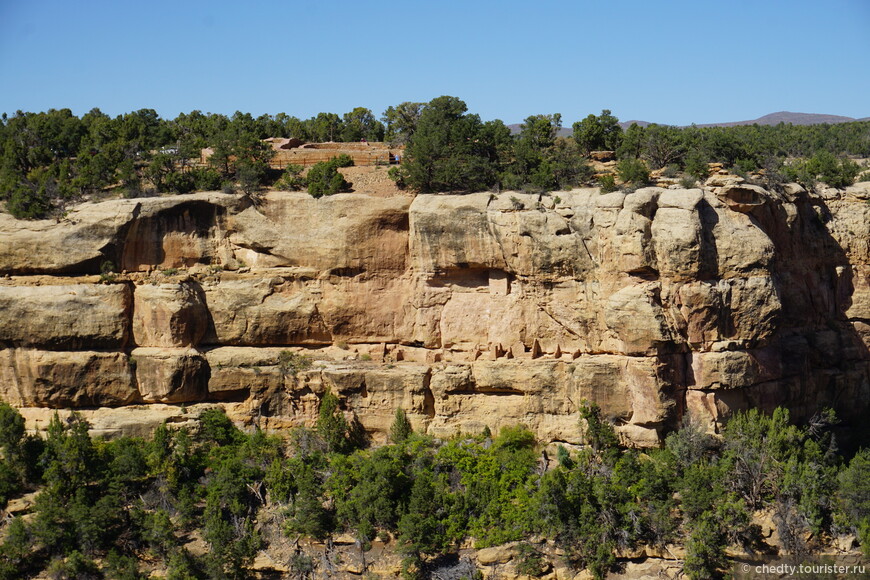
[627, 124]
[788, 118]
[771, 119]
[563, 132]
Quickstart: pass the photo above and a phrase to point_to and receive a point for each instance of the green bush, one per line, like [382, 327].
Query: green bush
[291, 179]
[696, 165]
[28, 205]
[530, 562]
[206, 179]
[633, 171]
[177, 182]
[324, 178]
[217, 428]
[339, 435]
[399, 175]
[825, 167]
[743, 166]
[291, 363]
[251, 174]
[607, 183]
[688, 182]
[854, 496]
[705, 551]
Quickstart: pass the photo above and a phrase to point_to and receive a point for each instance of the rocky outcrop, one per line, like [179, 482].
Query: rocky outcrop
[468, 311]
[169, 315]
[65, 316]
[58, 379]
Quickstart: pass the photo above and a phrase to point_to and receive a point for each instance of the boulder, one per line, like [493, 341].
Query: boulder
[341, 233]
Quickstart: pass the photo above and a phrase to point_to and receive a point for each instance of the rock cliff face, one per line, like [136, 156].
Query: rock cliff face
[466, 311]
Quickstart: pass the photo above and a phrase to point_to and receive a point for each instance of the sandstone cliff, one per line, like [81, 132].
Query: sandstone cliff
[467, 311]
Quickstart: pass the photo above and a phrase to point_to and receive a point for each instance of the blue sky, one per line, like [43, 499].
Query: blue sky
[673, 62]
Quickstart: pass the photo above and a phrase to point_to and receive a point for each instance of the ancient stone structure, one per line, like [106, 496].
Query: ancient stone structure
[466, 310]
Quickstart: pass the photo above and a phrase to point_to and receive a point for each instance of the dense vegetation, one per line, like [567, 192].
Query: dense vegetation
[49, 158]
[104, 506]
[53, 157]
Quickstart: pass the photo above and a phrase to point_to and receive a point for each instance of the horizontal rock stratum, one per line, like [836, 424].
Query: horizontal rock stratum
[468, 311]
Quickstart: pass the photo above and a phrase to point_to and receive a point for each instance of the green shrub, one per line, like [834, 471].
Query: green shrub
[854, 496]
[291, 179]
[206, 179]
[825, 167]
[179, 182]
[696, 165]
[743, 166]
[331, 424]
[705, 551]
[607, 183]
[399, 175]
[27, 205]
[342, 160]
[688, 182]
[530, 562]
[291, 363]
[251, 174]
[832, 171]
[76, 565]
[598, 432]
[217, 428]
[324, 178]
[633, 171]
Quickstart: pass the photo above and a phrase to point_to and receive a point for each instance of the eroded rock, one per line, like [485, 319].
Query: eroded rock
[467, 311]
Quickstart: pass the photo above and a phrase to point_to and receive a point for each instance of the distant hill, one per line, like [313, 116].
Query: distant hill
[627, 124]
[563, 132]
[771, 119]
[788, 118]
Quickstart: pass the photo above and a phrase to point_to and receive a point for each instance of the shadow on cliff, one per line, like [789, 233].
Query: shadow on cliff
[180, 236]
[709, 252]
[822, 360]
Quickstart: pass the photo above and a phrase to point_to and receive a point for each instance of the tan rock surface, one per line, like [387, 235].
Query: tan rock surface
[169, 315]
[67, 316]
[170, 375]
[468, 311]
[343, 233]
[130, 233]
[60, 379]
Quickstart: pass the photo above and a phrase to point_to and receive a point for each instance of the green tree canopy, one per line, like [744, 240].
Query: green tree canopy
[600, 132]
[449, 150]
[361, 124]
[401, 121]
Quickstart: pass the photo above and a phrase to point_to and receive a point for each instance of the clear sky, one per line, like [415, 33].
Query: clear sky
[674, 62]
